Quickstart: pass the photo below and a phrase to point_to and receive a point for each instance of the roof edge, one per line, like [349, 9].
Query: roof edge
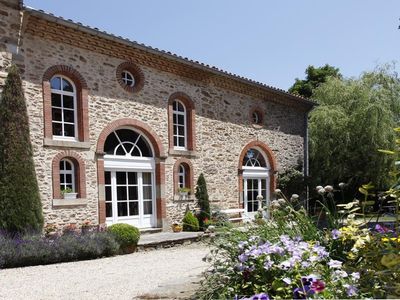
[103, 34]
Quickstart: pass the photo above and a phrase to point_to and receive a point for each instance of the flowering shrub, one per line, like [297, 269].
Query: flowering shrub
[29, 250]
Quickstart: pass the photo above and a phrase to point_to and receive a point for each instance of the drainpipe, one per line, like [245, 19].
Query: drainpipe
[306, 166]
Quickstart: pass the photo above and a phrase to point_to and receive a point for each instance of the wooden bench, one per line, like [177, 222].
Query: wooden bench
[236, 211]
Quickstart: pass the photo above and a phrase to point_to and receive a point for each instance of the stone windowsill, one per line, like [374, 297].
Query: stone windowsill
[186, 153]
[179, 198]
[66, 144]
[67, 203]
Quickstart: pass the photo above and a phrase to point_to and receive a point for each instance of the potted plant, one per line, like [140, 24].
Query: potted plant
[68, 193]
[184, 192]
[176, 227]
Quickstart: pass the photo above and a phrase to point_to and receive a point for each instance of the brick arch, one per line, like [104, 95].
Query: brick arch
[80, 176]
[190, 117]
[260, 113]
[189, 179]
[82, 100]
[67, 71]
[271, 160]
[148, 132]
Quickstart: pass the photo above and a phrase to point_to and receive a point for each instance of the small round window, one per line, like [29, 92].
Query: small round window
[256, 117]
[130, 77]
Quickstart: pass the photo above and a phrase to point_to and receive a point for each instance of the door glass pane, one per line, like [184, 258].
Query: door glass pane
[147, 192]
[107, 177]
[255, 206]
[133, 208]
[132, 178]
[122, 209]
[108, 209]
[108, 193]
[146, 178]
[121, 177]
[121, 193]
[133, 193]
[147, 207]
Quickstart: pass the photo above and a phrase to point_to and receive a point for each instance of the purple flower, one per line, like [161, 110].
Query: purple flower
[268, 264]
[261, 296]
[303, 293]
[243, 257]
[335, 234]
[334, 264]
[355, 276]
[351, 290]
[382, 229]
[318, 286]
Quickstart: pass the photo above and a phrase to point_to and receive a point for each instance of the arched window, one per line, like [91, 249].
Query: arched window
[179, 125]
[63, 108]
[182, 177]
[254, 158]
[128, 143]
[67, 176]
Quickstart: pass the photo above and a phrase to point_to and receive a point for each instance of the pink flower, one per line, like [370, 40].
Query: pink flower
[318, 285]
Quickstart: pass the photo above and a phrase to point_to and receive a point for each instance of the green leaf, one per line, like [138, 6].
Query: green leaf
[386, 151]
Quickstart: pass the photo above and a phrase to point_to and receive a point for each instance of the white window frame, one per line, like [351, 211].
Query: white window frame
[182, 176]
[75, 109]
[125, 78]
[176, 125]
[67, 172]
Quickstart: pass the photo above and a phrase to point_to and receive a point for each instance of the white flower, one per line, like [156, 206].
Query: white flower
[321, 191]
[328, 188]
[342, 185]
[287, 280]
[355, 276]
[319, 187]
[335, 264]
[278, 191]
[294, 197]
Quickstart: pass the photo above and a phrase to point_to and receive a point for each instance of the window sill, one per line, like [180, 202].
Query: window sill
[179, 198]
[69, 203]
[187, 153]
[67, 144]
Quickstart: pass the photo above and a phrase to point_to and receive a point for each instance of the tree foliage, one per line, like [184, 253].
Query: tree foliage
[315, 77]
[20, 205]
[354, 119]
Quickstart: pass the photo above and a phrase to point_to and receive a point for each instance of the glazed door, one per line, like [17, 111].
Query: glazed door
[252, 187]
[130, 198]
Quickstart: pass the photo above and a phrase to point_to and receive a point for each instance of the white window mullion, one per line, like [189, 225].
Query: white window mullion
[114, 197]
[140, 194]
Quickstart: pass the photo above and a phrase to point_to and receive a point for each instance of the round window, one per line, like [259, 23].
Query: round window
[256, 117]
[130, 77]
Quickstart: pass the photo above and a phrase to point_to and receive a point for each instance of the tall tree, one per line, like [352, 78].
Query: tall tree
[315, 77]
[355, 118]
[20, 205]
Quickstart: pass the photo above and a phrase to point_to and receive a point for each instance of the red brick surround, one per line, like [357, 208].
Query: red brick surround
[159, 167]
[271, 160]
[80, 177]
[82, 100]
[189, 174]
[137, 74]
[190, 120]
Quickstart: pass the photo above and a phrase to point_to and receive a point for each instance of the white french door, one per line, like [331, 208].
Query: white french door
[253, 187]
[130, 198]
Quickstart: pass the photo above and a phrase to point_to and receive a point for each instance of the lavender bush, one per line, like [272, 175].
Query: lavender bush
[29, 250]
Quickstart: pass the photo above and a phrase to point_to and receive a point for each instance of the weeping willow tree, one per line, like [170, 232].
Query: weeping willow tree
[354, 119]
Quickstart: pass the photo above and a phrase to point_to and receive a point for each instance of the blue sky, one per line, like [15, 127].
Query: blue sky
[268, 41]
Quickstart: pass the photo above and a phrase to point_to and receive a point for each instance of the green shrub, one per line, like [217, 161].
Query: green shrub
[125, 234]
[190, 222]
[202, 199]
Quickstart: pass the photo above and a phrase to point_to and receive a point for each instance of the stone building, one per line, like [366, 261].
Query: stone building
[118, 128]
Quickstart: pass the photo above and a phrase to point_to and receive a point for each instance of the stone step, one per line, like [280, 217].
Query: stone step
[168, 239]
[151, 230]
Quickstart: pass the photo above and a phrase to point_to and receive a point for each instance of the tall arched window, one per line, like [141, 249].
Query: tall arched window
[179, 124]
[67, 175]
[63, 108]
[182, 177]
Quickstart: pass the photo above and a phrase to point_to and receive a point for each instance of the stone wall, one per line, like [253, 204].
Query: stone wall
[223, 126]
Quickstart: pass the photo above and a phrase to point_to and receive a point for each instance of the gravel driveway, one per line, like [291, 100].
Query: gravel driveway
[165, 273]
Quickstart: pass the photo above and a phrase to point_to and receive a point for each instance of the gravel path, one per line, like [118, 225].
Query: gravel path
[166, 273]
